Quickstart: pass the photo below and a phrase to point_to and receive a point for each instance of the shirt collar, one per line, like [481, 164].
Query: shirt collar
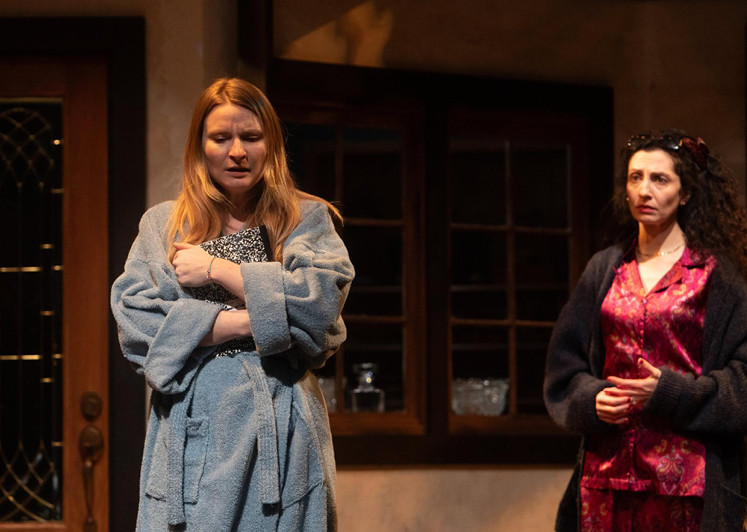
[690, 258]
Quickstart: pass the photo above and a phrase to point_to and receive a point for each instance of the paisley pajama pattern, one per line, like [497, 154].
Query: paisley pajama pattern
[629, 511]
[644, 461]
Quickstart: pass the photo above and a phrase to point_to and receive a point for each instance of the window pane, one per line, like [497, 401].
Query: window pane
[372, 170]
[541, 276]
[480, 371]
[540, 186]
[480, 352]
[478, 275]
[381, 346]
[531, 351]
[374, 300]
[311, 157]
[376, 253]
[31, 195]
[478, 181]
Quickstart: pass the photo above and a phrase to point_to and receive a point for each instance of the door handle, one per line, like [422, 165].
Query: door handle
[91, 444]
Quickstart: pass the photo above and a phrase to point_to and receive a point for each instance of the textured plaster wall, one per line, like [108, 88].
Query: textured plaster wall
[671, 63]
[450, 499]
[188, 43]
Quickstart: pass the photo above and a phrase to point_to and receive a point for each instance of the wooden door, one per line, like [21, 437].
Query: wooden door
[53, 295]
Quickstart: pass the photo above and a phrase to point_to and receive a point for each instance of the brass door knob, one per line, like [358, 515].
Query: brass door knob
[91, 445]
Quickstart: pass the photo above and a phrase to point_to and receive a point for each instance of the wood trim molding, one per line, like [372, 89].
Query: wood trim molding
[121, 41]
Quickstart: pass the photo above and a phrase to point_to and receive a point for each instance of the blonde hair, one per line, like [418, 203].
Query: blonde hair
[201, 207]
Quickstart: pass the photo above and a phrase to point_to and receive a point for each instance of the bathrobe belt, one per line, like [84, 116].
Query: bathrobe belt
[267, 445]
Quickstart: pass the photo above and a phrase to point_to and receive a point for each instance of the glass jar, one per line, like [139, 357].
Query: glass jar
[366, 397]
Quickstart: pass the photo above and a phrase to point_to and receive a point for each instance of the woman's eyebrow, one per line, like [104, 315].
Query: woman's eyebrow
[218, 131]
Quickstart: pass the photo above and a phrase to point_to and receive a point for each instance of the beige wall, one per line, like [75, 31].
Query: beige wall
[449, 499]
[679, 63]
[188, 44]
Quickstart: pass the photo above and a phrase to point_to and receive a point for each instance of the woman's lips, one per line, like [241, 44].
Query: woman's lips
[645, 208]
[237, 170]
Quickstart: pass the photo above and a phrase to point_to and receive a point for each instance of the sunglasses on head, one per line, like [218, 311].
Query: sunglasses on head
[696, 148]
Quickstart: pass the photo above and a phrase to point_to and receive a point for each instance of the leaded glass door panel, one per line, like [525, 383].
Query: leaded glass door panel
[53, 295]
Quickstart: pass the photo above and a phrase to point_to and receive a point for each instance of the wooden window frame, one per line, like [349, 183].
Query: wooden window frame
[534, 127]
[411, 420]
[122, 41]
[430, 97]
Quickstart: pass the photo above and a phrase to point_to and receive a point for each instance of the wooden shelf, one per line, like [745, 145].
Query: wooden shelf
[479, 322]
[361, 423]
[505, 424]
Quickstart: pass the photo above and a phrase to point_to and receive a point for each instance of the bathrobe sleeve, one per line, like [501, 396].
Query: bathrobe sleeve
[297, 304]
[575, 356]
[160, 325]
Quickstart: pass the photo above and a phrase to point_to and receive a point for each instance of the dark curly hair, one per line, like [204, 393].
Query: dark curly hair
[714, 219]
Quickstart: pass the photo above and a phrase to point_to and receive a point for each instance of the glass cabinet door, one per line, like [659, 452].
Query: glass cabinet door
[361, 164]
[510, 238]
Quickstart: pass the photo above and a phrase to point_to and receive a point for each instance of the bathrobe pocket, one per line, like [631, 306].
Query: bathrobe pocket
[194, 456]
[195, 453]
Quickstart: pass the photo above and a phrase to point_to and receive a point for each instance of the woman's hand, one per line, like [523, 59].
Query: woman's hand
[191, 264]
[612, 407]
[638, 390]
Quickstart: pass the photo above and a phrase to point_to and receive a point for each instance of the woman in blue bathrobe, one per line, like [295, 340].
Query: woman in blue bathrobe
[230, 294]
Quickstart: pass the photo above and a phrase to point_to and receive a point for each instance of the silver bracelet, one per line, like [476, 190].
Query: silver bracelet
[209, 270]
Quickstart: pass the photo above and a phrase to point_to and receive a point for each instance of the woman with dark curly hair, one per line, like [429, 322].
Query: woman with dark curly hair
[648, 359]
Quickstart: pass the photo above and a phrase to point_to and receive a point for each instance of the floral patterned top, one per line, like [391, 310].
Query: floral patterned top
[247, 245]
[665, 327]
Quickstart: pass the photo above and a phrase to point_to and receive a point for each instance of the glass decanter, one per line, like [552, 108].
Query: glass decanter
[366, 397]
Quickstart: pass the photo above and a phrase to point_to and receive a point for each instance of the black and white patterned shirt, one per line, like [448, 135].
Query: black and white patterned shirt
[248, 245]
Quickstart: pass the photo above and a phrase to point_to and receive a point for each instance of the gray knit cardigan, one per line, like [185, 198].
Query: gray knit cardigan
[241, 442]
[712, 407]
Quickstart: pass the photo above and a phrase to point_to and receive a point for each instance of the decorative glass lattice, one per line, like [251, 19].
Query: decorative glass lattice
[30, 310]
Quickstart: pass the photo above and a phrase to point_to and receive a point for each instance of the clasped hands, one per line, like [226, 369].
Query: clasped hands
[614, 404]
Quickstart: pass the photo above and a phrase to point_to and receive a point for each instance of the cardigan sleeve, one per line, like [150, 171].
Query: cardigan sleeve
[713, 402]
[297, 304]
[160, 325]
[570, 388]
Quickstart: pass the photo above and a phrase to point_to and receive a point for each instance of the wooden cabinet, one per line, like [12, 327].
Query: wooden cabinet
[517, 229]
[369, 165]
[467, 217]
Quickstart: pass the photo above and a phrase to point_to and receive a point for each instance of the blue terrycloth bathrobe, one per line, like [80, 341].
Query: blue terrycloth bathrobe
[240, 442]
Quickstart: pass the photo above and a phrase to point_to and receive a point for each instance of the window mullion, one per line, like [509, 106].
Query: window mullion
[511, 286]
